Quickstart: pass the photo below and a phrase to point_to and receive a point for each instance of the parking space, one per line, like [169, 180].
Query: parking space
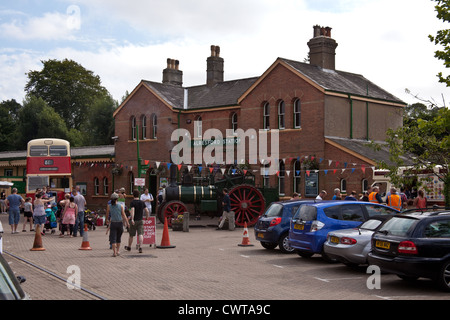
[206, 264]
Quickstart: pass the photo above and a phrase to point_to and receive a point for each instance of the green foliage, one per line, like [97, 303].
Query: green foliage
[68, 88]
[442, 38]
[8, 124]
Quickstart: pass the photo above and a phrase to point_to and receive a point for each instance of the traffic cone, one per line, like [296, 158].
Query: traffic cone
[85, 244]
[165, 242]
[37, 245]
[245, 239]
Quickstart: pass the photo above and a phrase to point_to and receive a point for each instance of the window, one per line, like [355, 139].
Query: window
[266, 116]
[9, 173]
[155, 126]
[105, 186]
[198, 128]
[234, 122]
[438, 229]
[96, 186]
[297, 114]
[297, 176]
[352, 213]
[343, 185]
[144, 127]
[38, 151]
[133, 128]
[281, 113]
[58, 151]
[364, 185]
[266, 176]
[281, 176]
[333, 212]
[373, 210]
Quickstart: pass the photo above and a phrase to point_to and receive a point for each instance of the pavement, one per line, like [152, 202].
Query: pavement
[194, 269]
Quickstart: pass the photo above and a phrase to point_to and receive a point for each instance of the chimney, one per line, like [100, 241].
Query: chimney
[322, 48]
[171, 75]
[214, 70]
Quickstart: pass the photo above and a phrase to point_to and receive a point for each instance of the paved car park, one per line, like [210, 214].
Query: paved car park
[205, 264]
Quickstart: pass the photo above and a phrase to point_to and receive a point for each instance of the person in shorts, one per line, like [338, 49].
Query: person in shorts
[137, 209]
[27, 214]
[14, 201]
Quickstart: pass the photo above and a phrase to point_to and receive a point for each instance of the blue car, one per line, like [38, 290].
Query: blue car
[312, 222]
[272, 228]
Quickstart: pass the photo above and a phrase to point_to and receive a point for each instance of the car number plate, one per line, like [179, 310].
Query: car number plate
[334, 240]
[260, 235]
[299, 227]
[382, 244]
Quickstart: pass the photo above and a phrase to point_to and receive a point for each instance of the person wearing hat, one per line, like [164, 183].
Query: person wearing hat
[116, 219]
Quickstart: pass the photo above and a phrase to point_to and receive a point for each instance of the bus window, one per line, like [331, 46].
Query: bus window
[58, 151]
[38, 151]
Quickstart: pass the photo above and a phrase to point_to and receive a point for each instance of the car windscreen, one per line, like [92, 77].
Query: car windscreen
[371, 224]
[398, 226]
[274, 210]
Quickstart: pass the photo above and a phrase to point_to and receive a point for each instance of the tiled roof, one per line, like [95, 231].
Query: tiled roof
[342, 82]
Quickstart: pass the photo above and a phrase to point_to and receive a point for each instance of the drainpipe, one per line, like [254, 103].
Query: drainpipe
[351, 116]
[367, 115]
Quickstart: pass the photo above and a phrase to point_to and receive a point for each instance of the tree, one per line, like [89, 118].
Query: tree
[68, 88]
[428, 143]
[99, 125]
[38, 120]
[442, 38]
[8, 124]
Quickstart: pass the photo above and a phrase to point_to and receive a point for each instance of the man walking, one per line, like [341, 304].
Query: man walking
[227, 213]
[80, 201]
[137, 208]
[14, 201]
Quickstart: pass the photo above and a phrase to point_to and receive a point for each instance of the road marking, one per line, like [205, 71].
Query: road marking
[245, 256]
[337, 279]
[281, 267]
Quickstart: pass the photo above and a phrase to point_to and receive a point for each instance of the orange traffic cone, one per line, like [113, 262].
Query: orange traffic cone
[85, 244]
[245, 239]
[165, 242]
[37, 245]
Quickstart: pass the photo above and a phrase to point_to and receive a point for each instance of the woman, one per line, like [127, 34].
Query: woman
[69, 214]
[39, 214]
[116, 219]
[420, 202]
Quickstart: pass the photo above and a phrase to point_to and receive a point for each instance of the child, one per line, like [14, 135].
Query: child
[28, 214]
[51, 219]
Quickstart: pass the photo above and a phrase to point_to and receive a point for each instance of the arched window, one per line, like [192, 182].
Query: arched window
[364, 185]
[96, 186]
[297, 114]
[281, 114]
[144, 128]
[234, 122]
[154, 126]
[105, 186]
[133, 128]
[266, 116]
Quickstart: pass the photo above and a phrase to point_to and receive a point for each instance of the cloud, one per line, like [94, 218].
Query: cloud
[50, 26]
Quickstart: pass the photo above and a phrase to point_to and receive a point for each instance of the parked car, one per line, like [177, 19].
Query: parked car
[312, 222]
[414, 246]
[10, 288]
[272, 228]
[351, 246]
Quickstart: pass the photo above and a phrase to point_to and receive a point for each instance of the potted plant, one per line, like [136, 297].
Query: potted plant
[177, 223]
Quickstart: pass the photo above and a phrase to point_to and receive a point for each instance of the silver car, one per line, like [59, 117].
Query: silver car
[351, 246]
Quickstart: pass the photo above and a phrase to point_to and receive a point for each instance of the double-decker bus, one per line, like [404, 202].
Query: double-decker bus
[49, 165]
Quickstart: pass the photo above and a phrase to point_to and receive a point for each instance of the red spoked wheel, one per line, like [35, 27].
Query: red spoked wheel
[170, 210]
[248, 204]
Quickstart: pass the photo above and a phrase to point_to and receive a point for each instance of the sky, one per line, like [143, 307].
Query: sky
[124, 42]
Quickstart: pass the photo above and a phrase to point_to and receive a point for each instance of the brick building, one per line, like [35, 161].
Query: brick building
[324, 119]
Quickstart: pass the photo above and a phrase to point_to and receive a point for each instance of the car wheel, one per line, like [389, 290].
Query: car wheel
[269, 245]
[304, 254]
[443, 279]
[283, 244]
